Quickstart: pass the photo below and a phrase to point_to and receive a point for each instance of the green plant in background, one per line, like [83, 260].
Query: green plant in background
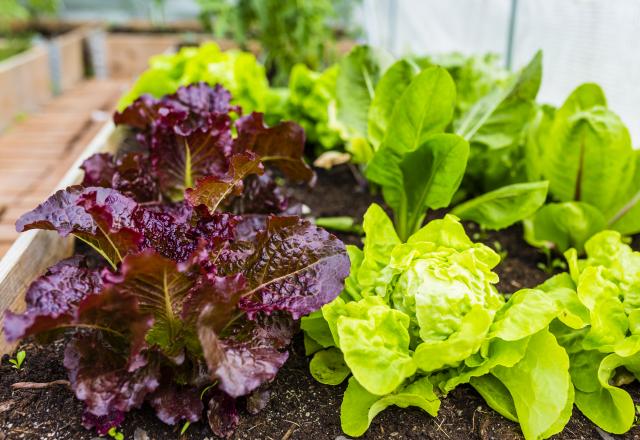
[418, 318]
[419, 165]
[312, 103]
[584, 150]
[238, 71]
[289, 31]
[19, 359]
[475, 76]
[11, 42]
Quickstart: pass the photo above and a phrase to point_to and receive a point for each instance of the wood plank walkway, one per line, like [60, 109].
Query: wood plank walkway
[36, 153]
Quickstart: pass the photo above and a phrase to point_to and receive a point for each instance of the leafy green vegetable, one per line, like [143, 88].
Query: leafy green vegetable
[237, 71]
[390, 87]
[360, 407]
[504, 206]
[417, 165]
[584, 150]
[495, 127]
[312, 103]
[360, 71]
[600, 330]
[418, 318]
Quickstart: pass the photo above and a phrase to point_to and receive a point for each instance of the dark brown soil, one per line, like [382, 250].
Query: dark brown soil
[300, 407]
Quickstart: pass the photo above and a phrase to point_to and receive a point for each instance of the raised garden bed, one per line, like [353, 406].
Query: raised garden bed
[51, 66]
[299, 407]
[204, 253]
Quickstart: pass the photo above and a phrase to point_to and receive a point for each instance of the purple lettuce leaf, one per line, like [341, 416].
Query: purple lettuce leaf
[160, 285]
[292, 265]
[134, 178]
[173, 403]
[262, 195]
[222, 414]
[147, 112]
[213, 190]
[189, 108]
[103, 379]
[102, 217]
[131, 174]
[53, 298]
[98, 170]
[245, 356]
[102, 424]
[281, 145]
[179, 161]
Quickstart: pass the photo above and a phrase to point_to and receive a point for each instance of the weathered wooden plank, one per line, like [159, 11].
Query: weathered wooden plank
[34, 251]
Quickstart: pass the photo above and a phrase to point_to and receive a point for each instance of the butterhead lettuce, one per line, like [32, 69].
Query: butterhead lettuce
[418, 318]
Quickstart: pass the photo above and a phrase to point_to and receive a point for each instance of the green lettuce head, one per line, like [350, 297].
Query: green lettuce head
[238, 71]
[417, 319]
[604, 343]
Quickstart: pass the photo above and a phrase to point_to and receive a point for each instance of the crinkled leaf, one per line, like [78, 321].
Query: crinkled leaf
[222, 414]
[160, 286]
[281, 145]
[434, 355]
[53, 298]
[173, 403]
[100, 216]
[374, 339]
[102, 378]
[244, 360]
[180, 161]
[212, 191]
[292, 265]
[98, 170]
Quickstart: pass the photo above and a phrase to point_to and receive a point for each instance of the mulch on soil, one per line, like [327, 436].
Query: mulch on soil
[300, 407]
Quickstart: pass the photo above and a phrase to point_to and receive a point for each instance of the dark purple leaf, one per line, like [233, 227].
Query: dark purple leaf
[161, 286]
[261, 195]
[102, 217]
[281, 145]
[98, 170]
[293, 266]
[134, 178]
[223, 414]
[53, 299]
[242, 360]
[102, 424]
[173, 403]
[180, 161]
[102, 379]
[212, 191]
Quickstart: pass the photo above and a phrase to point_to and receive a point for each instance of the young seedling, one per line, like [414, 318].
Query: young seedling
[552, 264]
[497, 246]
[115, 434]
[19, 360]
